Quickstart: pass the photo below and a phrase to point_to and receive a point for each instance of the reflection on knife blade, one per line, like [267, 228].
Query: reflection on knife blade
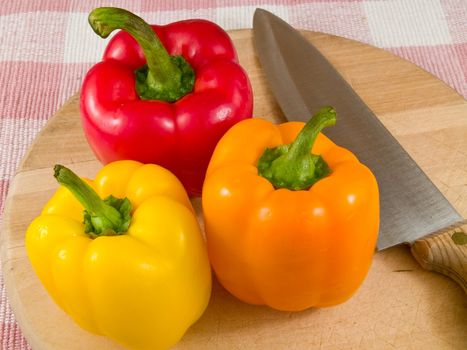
[302, 80]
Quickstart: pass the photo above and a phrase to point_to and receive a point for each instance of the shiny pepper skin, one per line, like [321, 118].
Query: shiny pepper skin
[179, 135]
[142, 288]
[288, 249]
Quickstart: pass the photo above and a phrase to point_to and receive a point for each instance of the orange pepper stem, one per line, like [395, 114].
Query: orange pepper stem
[108, 217]
[293, 166]
[164, 77]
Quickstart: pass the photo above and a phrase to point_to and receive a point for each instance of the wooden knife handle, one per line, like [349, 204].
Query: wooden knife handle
[445, 253]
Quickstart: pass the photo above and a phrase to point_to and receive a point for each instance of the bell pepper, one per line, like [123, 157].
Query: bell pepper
[134, 267]
[291, 219]
[163, 94]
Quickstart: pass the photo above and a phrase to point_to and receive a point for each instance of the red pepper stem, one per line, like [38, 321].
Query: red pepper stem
[164, 76]
[100, 218]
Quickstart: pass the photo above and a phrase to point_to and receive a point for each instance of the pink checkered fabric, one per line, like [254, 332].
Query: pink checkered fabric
[46, 47]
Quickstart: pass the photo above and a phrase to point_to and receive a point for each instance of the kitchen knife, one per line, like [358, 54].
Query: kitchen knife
[302, 80]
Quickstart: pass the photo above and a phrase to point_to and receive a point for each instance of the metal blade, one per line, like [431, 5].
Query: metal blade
[302, 80]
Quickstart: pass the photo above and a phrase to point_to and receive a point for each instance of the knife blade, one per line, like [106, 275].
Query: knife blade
[302, 80]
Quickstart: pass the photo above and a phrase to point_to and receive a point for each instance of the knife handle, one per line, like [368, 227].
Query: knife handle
[445, 253]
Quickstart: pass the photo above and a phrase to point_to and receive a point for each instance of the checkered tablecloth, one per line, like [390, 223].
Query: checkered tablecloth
[46, 46]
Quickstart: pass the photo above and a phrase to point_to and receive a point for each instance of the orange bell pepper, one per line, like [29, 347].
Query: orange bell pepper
[287, 227]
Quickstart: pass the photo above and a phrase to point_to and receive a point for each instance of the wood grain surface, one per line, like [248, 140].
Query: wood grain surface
[444, 254]
[399, 306]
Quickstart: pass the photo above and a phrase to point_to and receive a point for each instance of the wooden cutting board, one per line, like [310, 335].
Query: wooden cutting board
[399, 305]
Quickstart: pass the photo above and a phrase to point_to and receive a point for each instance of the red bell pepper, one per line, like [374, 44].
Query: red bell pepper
[163, 94]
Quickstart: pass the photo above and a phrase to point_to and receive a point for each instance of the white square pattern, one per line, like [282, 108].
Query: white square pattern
[166, 17]
[32, 36]
[407, 23]
[242, 17]
[82, 45]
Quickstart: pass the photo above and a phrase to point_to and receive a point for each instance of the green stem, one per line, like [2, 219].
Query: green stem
[293, 166]
[101, 217]
[165, 77]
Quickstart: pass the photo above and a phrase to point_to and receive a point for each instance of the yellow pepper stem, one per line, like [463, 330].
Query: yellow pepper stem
[107, 217]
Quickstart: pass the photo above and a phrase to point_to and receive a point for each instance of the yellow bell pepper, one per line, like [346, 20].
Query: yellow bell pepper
[136, 269]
